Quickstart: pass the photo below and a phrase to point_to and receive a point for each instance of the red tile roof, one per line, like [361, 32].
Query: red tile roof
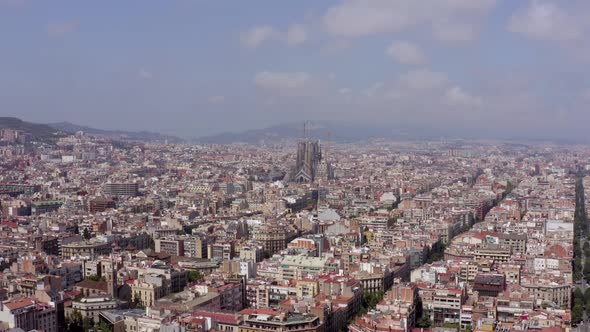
[19, 303]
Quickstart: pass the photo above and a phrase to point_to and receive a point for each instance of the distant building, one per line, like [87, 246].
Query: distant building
[269, 320]
[100, 205]
[17, 189]
[92, 306]
[89, 249]
[121, 189]
[41, 207]
[172, 246]
[489, 284]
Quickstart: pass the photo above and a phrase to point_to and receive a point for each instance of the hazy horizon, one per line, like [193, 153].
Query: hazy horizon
[191, 68]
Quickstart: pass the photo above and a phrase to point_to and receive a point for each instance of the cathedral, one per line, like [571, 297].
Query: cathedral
[309, 165]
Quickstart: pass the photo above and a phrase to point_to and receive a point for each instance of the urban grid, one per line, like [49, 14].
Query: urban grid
[99, 234]
[295, 166]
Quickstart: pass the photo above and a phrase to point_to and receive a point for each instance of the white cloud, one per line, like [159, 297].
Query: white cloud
[460, 19]
[287, 83]
[406, 53]
[423, 89]
[258, 35]
[356, 18]
[144, 74]
[423, 79]
[296, 34]
[217, 99]
[458, 97]
[61, 28]
[544, 20]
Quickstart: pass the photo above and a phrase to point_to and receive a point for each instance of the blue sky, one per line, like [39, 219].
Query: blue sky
[194, 67]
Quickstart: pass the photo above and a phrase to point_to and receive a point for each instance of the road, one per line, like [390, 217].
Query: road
[584, 326]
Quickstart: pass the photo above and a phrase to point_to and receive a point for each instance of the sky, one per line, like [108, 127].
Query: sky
[490, 68]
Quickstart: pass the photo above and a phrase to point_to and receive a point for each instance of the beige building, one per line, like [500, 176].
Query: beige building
[307, 288]
[133, 320]
[195, 247]
[92, 306]
[87, 249]
[548, 292]
[280, 322]
[517, 242]
[146, 293]
[497, 253]
[170, 246]
[251, 253]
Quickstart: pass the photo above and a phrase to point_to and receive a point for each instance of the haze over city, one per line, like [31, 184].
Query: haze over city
[191, 68]
[294, 166]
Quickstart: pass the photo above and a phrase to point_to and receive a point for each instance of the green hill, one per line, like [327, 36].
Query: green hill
[40, 132]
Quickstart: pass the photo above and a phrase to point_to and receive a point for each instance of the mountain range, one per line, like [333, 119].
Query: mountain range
[323, 130]
[339, 132]
[347, 132]
[144, 136]
[49, 133]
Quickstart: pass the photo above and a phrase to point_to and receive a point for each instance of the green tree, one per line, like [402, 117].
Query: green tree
[93, 277]
[87, 323]
[194, 276]
[587, 268]
[577, 313]
[509, 188]
[87, 234]
[451, 326]
[137, 302]
[104, 327]
[74, 322]
[370, 301]
[436, 253]
[151, 243]
[424, 322]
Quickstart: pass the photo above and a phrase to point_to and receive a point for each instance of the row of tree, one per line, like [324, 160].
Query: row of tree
[580, 300]
[76, 323]
[581, 303]
[580, 233]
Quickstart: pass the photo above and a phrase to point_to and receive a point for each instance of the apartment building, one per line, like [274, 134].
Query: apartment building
[28, 314]
[121, 189]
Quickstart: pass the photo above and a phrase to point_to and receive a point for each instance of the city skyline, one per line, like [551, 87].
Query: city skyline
[194, 68]
[294, 166]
